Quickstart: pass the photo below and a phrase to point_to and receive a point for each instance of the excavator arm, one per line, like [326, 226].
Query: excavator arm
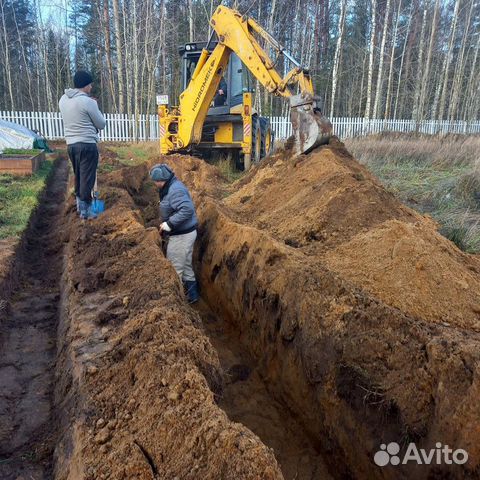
[181, 126]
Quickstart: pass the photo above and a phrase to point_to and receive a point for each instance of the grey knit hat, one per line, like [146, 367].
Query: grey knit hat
[161, 173]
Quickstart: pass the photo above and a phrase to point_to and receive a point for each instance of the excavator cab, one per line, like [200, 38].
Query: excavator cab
[235, 82]
[224, 126]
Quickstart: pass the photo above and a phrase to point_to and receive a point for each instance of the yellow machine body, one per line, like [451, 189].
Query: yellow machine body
[181, 126]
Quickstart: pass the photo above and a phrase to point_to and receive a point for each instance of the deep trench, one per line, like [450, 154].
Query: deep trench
[246, 398]
[247, 395]
[28, 341]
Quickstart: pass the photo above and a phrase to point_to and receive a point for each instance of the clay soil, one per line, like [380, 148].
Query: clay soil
[332, 319]
[361, 317]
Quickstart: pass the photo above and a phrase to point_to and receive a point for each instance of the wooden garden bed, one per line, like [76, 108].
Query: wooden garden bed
[21, 164]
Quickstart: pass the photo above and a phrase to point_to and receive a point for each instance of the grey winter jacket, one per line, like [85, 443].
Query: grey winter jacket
[176, 207]
[82, 118]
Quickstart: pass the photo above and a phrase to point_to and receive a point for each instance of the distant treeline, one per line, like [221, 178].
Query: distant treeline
[371, 58]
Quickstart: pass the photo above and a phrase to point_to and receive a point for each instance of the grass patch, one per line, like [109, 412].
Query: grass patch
[435, 175]
[19, 151]
[226, 165]
[106, 168]
[18, 197]
[135, 153]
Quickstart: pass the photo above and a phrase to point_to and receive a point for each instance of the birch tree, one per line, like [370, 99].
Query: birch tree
[371, 58]
[448, 61]
[338, 49]
[119, 52]
[392, 58]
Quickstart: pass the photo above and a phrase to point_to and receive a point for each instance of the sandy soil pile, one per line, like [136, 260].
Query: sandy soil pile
[137, 376]
[330, 206]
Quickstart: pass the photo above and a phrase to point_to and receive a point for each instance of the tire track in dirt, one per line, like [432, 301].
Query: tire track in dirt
[28, 342]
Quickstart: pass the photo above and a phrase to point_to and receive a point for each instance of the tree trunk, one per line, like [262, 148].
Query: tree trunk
[371, 59]
[8, 68]
[388, 99]
[399, 81]
[191, 30]
[416, 115]
[448, 60]
[338, 49]
[379, 89]
[426, 81]
[459, 73]
[108, 54]
[119, 48]
[470, 94]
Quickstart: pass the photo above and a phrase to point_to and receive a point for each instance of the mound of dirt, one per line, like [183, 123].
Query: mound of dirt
[200, 177]
[328, 205]
[415, 269]
[316, 202]
[136, 374]
[361, 318]
[356, 371]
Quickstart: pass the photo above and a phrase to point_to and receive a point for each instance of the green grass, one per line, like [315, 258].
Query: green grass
[434, 175]
[19, 151]
[226, 165]
[135, 153]
[106, 168]
[18, 198]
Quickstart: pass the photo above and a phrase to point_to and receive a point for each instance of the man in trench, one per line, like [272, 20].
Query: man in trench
[179, 223]
[82, 120]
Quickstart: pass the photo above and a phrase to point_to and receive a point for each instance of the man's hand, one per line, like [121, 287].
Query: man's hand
[164, 227]
[221, 92]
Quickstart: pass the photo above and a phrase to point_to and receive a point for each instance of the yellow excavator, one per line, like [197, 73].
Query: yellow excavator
[215, 108]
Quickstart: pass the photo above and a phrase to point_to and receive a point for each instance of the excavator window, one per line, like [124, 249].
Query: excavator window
[235, 81]
[189, 63]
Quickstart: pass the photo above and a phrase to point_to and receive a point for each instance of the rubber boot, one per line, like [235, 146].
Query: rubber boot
[78, 204]
[191, 287]
[84, 207]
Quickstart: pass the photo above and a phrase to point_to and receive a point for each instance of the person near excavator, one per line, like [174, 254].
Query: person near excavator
[179, 224]
[82, 121]
[221, 95]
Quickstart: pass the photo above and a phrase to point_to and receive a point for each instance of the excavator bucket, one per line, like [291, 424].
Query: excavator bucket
[310, 127]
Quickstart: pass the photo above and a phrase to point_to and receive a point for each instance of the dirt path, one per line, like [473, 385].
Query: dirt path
[246, 399]
[27, 344]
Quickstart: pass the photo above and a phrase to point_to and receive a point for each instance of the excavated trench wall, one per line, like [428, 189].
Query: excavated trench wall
[136, 377]
[357, 371]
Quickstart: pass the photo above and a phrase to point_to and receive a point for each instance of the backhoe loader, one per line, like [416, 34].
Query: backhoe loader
[215, 108]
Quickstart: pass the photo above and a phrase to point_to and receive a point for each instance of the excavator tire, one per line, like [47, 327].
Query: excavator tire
[256, 140]
[267, 137]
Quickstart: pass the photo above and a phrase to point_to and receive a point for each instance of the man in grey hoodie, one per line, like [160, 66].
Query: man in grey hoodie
[82, 121]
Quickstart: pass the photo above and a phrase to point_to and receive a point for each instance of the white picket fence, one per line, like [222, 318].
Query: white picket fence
[119, 128]
[355, 127]
[127, 128]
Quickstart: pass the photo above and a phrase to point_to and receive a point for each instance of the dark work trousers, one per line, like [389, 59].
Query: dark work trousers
[84, 158]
